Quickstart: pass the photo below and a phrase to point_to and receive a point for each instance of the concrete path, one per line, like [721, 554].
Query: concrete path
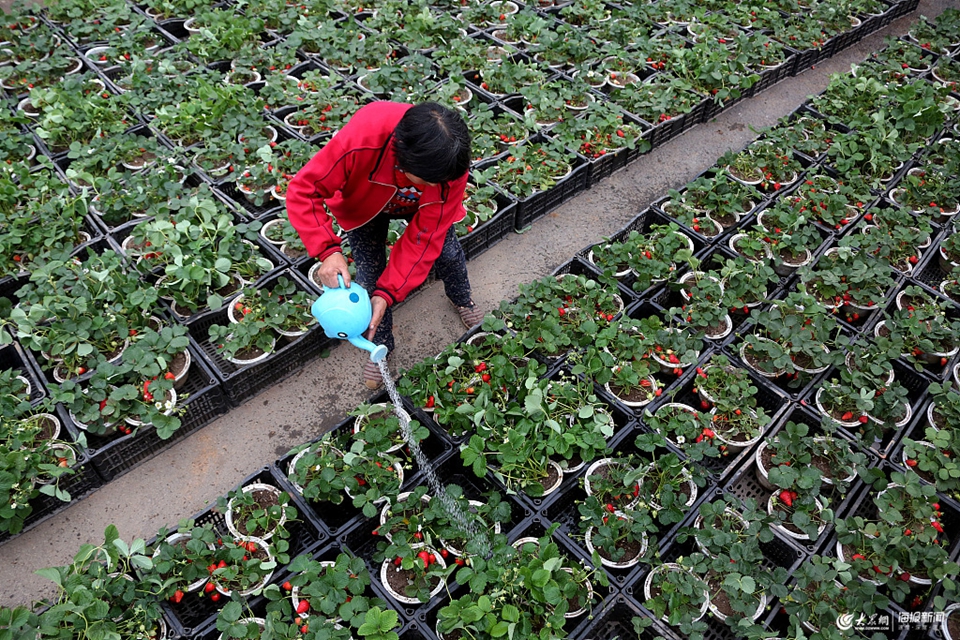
[190, 476]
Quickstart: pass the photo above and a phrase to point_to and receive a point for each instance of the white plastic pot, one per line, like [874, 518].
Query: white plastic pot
[672, 566]
[266, 578]
[385, 513]
[582, 610]
[760, 372]
[176, 538]
[691, 485]
[636, 404]
[389, 566]
[623, 564]
[256, 486]
[821, 409]
[788, 532]
[258, 359]
[388, 409]
[698, 524]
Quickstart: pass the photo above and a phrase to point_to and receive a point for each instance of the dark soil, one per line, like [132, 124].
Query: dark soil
[715, 329]
[939, 421]
[630, 551]
[724, 221]
[791, 258]
[249, 353]
[141, 159]
[552, 478]
[718, 597]
[637, 394]
[953, 625]
[231, 287]
[265, 500]
[47, 429]
[756, 363]
[295, 255]
[400, 580]
[803, 361]
[177, 364]
[604, 472]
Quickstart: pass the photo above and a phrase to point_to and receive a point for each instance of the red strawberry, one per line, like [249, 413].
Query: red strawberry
[847, 416]
[609, 507]
[209, 587]
[911, 463]
[287, 586]
[430, 402]
[786, 497]
[303, 607]
[862, 419]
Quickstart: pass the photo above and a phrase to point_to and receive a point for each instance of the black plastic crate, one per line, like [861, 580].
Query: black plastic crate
[14, 358]
[642, 224]
[773, 75]
[493, 230]
[916, 386]
[114, 456]
[615, 621]
[539, 204]
[565, 512]
[242, 383]
[194, 614]
[533, 528]
[81, 483]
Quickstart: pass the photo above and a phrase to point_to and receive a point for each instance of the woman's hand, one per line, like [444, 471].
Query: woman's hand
[329, 268]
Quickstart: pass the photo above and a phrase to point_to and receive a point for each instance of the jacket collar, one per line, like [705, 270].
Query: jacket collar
[382, 174]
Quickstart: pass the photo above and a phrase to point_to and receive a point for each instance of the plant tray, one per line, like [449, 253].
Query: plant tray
[79, 484]
[642, 223]
[195, 613]
[539, 204]
[242, 383]
[492, 231]
[565, 511]
[15, 358]
[114, 456]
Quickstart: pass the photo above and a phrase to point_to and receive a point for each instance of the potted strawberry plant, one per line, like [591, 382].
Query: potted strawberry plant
[933, 459]
[529, 168]
[745, 284]
[619, 536]
[257, 510]
[703, 312]
[897, 541]
[555, 314]
[677, 595]
[846, 277]
[790, 457]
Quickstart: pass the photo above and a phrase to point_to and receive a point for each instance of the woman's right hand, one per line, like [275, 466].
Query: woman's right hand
[334, 264]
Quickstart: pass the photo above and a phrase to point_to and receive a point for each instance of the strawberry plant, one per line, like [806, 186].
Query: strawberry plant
[618, 535]
[221, 34]
[684, 426]
[934, 459]
[946, 405]
[823, 593]
[332, 589]
[805, 334]
[930, 191]
[411, 78]
[703, 311]
[659, 99]
[495, 133]
[904, 540]
[797, 459]
[745, 283]
[599, 131]
[845, 275]
[481, 206]
[30, 465]
[510, 77]
[678, 596]
[95, 593]
[503, 591]
[555, 314]
[414, 572]
[487, 515]
[259, 511]
[529, 168]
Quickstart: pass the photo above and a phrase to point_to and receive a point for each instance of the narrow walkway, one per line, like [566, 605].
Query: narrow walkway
[188, 477]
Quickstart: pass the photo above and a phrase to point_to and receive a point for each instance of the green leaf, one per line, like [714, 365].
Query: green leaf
[231, 612]
[50, 574]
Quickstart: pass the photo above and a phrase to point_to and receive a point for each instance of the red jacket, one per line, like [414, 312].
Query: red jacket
[354, 175]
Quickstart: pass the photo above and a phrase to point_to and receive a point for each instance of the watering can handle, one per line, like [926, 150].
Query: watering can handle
[340, 280]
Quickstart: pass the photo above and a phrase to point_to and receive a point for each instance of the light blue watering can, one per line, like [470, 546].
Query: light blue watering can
[345, 313]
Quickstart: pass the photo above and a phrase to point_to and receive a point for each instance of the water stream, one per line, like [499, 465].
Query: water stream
[466, 524]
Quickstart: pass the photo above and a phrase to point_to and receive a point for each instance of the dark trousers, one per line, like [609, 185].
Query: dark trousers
[368, 246]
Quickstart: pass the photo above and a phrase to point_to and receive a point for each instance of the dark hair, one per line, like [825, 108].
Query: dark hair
[432, 142]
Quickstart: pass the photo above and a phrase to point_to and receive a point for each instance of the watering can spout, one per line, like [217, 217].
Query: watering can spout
[345, 313]
[377, 351]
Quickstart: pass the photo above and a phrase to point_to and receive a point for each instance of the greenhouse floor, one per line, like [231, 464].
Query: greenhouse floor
[187, 477]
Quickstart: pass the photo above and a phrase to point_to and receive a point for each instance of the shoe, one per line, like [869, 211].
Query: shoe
[471, 315]
[371, 375]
